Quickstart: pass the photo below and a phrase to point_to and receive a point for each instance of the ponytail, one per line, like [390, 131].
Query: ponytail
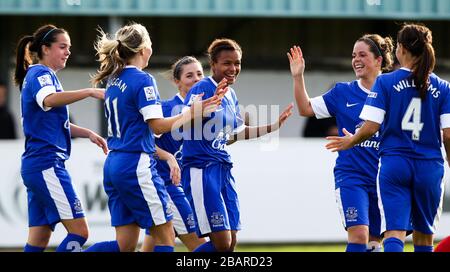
[417, 40]
[424, 67]
[114, 54]
[111, 63]
[23, 60]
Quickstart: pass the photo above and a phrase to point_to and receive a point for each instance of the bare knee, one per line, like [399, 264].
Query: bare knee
[358, 234]
[39, 236]
[77, 226]
[422, 239]
[222, 240]
[164, 234]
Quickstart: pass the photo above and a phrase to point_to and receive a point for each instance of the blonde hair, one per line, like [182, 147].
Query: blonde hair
[114, 53]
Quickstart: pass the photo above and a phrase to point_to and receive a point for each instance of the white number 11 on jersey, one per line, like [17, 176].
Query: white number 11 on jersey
[413, 112]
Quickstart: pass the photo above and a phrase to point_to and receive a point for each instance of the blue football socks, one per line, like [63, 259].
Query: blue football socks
[206, 247]
[110, 246]
[30, 248]
[72, 243]
[393, 244]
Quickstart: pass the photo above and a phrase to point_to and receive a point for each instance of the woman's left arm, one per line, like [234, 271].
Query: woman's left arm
[251, 132]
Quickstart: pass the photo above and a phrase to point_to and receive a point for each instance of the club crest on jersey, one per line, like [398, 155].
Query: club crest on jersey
[217, 219]
[77, 206]
[190, 220]
[351, 214]
[45, 80]
[150, 93]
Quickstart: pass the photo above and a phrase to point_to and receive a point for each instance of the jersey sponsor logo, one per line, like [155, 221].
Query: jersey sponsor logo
[372, 95]
[220, 142]
[150, 93]
[370, 143]
[45, 80]
[179, 154]
[351, 105]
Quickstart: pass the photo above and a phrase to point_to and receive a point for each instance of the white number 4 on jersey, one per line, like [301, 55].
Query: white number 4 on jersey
[413, 113]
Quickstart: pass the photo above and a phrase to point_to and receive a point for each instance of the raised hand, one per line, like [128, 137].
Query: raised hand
[285, 114]
[296, 61]
[223, 84]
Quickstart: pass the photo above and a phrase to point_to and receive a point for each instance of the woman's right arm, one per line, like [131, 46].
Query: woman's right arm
[297, 65]
[198, 109]
[59, 99]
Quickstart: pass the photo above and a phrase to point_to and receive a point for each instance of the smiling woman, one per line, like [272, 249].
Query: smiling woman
[46, 126]
[206, 174]
[356, 169]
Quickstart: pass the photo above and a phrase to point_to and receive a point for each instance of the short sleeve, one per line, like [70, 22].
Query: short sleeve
[375, 107]
[148, 100]
[324, 106]
[445, 106]
[43, 86]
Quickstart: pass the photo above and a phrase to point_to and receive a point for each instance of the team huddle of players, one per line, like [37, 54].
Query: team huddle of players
[167, 168]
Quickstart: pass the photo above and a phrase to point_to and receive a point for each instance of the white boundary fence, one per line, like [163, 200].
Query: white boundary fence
[286, 192]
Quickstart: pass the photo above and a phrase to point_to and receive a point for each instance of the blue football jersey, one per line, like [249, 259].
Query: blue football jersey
[131, 99]
[412, 127]
[206, 142]
[171, 142]
[345, 101]
[46, 130]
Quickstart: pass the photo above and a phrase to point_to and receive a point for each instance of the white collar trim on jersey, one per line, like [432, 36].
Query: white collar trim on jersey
[406, 69]
[213, 81]
[38, 64]
[180, 97]
[362, 87]
[131, 66]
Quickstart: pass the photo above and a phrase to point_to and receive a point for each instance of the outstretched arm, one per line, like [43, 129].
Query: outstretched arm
[297, 65]
[349, 140]
[255, 132]
[68, 97]
[81, 132]
[198, 109]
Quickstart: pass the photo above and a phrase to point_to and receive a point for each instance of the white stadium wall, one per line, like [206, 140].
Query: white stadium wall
[285, 186]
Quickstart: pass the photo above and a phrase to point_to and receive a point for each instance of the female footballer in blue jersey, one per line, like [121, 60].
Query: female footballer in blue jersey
[51, 196]
[184, 73]
[356, 169]
[206, 174]
[137, 194]
[413, 104]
